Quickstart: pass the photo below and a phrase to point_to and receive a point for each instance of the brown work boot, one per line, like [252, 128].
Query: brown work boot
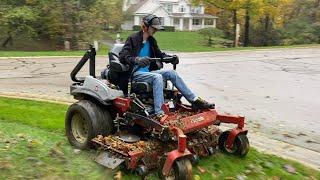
[202, 104]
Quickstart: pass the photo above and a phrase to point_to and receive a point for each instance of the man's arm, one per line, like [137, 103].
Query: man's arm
[126, 55]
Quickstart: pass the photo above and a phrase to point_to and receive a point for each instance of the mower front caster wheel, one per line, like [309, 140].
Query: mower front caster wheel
[181, 170]
[240, 146]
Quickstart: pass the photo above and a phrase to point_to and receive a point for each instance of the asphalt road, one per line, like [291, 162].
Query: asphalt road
[278, 90]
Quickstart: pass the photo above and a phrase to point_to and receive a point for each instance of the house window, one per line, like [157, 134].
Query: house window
[176, 21]
[168, 7]
[195, 21]
[182, 9]
[195, 10]
[208, 22]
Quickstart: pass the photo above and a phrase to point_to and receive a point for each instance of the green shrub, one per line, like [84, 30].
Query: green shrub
[211, 33]
[169, 28]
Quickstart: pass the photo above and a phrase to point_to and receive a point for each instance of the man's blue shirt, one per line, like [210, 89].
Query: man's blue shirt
[145, 52]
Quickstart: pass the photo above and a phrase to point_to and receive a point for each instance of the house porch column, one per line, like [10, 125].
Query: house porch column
[202, 23]
[181, 24]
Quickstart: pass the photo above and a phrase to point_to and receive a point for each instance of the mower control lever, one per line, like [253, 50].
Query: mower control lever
[174, 60]
[169, 59]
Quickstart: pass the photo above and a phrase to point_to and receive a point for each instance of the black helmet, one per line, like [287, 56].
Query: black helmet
[153, 21]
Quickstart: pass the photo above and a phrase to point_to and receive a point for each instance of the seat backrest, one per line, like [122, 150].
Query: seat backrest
[116, 49]
[114, 62]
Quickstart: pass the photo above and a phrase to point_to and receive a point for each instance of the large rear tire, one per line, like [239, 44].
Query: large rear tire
[84, 121]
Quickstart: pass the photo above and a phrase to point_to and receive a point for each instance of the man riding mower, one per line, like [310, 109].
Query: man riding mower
[137, 50]
[117, 113]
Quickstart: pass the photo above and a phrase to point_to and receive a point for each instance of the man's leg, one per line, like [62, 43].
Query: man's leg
[156, 81]
[197, 102]
[177, 82]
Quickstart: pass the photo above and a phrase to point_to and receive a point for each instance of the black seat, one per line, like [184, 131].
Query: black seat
[117, 71]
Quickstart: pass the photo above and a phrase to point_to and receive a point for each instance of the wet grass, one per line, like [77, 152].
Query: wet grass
[33, 146]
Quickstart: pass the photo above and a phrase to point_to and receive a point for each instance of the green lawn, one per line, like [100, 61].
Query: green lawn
[188, 42]
[102, 51]
[33, 146]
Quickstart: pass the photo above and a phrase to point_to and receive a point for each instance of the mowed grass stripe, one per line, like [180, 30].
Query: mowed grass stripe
[35, 113]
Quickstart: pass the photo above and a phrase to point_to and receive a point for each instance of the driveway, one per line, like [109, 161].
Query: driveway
[276, 89]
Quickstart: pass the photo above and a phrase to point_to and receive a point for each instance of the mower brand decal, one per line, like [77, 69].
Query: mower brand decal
[197, 119]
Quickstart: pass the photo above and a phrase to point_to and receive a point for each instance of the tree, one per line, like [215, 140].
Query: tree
[18, 21]
[230, 5]
[58, 20]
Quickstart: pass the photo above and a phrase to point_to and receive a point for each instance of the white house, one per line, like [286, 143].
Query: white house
[178, 13]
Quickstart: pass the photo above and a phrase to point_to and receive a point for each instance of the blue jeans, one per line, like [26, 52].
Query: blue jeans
[157, 79]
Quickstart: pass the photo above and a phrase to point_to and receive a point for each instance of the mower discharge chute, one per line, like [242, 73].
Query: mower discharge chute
[123, 129]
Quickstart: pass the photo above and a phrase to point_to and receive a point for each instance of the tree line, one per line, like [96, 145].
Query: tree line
[262, 22]
[268, 22]
[57, 20]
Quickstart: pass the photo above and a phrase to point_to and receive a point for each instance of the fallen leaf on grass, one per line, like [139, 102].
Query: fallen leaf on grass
[22, 136]
[54, 152]
[241, 177]
[247, 171]
[214, 175]
[118, 176]
[312, 178]
[230, 178]
[6, 165]
[76, 151]
[58, 144]
[201, 169]
[275, 178]
[33, 143]
[289, 168]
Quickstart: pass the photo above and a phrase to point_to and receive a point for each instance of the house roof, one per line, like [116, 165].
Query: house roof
[133, 8]
[148, 7]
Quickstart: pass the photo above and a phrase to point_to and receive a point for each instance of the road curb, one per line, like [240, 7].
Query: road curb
[36, 97]
[40, 57]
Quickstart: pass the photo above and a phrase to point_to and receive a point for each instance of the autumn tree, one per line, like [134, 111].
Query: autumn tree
[57, 20]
